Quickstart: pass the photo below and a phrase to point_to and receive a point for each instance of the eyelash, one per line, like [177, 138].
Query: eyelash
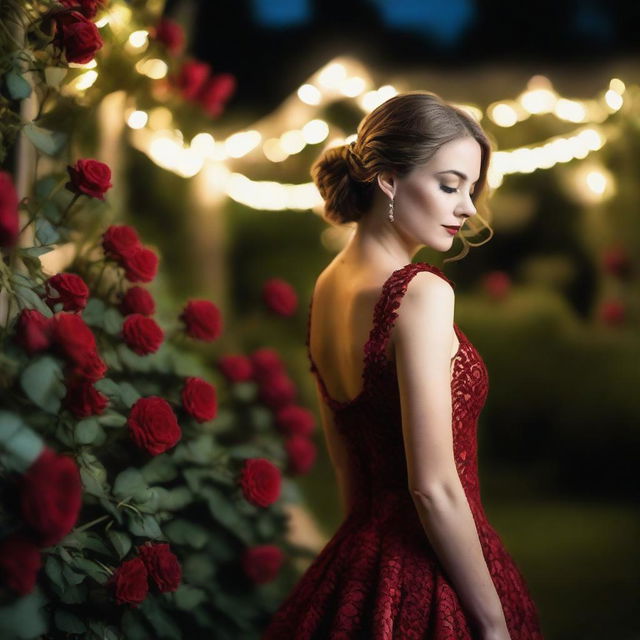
[450, 189]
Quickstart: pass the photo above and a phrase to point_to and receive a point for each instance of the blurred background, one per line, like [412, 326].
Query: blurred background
[552, 302]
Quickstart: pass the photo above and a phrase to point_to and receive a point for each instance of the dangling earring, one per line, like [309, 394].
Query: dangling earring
[390, 216]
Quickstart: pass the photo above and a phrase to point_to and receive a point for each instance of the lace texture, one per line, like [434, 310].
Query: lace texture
[378, 577]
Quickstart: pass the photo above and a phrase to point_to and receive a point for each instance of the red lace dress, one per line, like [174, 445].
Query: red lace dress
[378, 577]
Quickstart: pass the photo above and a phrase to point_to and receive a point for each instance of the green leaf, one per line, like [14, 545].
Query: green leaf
[112, 420]
[160, 620]
[94, 311]
[112, 321]
[71, 576]
[24, 617]
[91, 540]
[92, 569]
[130, 482]
[224, 512]
[145, 526]
[174, 499]
[34, 252]
[133, 626]
[45, 232]
[121, 542]
[53, 569]
[129, 394]
[19, 444]
[74, 594]
[44, 186]
[93, 475]
[198, 569]
[53, 76]
[244, 391]
[49, 142]
[42, 381]
[67, 621]
[18, 87]
[188, 597]
[87, 430]
[31, 300]
[183, 532]
[159, 469]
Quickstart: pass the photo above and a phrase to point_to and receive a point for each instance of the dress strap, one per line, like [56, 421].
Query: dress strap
[385, 312]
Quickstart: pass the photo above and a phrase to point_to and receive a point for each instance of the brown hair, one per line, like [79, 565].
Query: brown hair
[399, 135]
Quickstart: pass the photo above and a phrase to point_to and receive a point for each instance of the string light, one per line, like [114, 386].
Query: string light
[345, 78]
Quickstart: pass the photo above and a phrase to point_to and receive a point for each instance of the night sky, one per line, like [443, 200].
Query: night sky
[272, 46]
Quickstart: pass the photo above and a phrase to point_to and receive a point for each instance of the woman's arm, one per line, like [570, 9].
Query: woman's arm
[423, 340]
[337, 452]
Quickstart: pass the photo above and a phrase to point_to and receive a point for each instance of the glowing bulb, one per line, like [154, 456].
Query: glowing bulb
[503, 115]
[332, 75]
[292, 141]
[137, 119]
[617, 85]
[352, 87]
[538, 100]
[596, 181]
[273, 150]
[86, 80]
[613, 99]
[309, 94]
[241, 143]
[570, 110]
[153, 68]
[203, 144]
[139, 38]
[315, 131]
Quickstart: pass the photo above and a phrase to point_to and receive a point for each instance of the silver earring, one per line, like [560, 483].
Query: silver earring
[390, 216]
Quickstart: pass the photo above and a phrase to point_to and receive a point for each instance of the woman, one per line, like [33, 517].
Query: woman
[401, 388]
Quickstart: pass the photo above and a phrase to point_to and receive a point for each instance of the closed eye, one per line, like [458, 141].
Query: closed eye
[447, 189]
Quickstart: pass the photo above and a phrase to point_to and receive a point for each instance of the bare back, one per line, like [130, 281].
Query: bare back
[344, 298]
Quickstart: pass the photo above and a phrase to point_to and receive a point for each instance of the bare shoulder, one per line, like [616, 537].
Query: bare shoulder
[427, 305]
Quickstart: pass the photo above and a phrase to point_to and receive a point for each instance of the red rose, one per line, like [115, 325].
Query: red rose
[280, 296]
[153, 425]
[215, 92]
[277, 391]
[261, 481]
[20, 561]
[266, 362]
[611, 312]
[236, 368]
[72, 337]
[199, 399]
[90, 369]
[171, 34]
[51, 496]
[202, 320]
[118, 240]
[77, 36]
[33, 331]
[84, 400]
[140, 264]
[261, 563]
[295, 420]
[301, 452]
[71, 289]
[615, 260]
[141, 334]
[193, 74]
[162, 565]
[131, 582]
[88, 8]
[137, 300]
[497, 284]
[9, 217]
[90, 177]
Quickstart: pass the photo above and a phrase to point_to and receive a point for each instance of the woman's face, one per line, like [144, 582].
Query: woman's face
[432, 196]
